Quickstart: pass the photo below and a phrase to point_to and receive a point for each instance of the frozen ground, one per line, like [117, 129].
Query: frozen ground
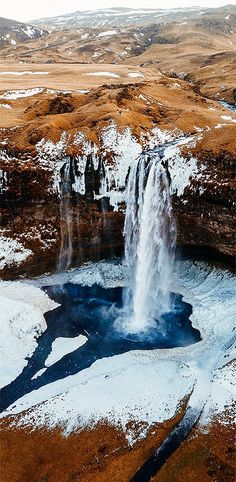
[22, 307]
[145, 386]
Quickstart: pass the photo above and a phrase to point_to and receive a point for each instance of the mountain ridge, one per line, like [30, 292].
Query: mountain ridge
[13, 32]
[126, 16]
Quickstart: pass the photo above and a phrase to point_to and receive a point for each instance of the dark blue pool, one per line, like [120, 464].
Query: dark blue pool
[92, 311]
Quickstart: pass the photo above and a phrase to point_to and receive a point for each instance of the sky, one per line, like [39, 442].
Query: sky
[25, 10]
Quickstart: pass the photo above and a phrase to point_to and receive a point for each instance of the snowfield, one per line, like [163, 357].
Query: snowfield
[22, 307]
[155, 381]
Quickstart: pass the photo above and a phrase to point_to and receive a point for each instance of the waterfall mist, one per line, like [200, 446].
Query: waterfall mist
[150, 236]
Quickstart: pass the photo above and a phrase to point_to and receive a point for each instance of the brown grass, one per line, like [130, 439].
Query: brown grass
[169, 104]
[68, 76]
[99, 454]
[206, 457]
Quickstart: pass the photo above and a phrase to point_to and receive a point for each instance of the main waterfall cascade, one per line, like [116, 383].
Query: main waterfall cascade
[150, 236]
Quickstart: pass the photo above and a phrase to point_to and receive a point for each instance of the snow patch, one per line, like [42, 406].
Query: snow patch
[156, 137]
[124, 149]
[29, 31]
[135, 74]
[12, 252]
[228, 118]
[52, 157]
[181, 170]
[108, 33]
[84, 36]
[63, 346]
[18, 94]
[222, 395]
[103, 74]
[5, 106]
[26, 72]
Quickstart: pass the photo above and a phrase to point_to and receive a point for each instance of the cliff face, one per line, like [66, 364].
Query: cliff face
[206, 218]
[64, 170]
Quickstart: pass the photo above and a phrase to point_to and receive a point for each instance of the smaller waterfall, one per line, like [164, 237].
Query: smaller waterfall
[150, 236]
[65, 255]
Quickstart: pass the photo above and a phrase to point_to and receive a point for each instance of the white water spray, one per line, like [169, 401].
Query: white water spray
[150, 236]
[65, 255]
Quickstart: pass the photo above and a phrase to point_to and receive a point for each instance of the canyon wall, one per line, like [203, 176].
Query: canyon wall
[36, 213]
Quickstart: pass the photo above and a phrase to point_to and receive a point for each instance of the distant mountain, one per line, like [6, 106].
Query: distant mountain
[199, 47]
[121, 17]
[12, 32]
[163, 44]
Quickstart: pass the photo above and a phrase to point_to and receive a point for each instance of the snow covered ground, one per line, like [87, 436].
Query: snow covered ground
[22, 307]
[145, 386]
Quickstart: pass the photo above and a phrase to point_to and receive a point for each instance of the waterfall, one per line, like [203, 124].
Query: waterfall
[150, 236]
[65, 255]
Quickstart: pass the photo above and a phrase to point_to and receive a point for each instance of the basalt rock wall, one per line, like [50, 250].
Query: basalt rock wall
[31, 214]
